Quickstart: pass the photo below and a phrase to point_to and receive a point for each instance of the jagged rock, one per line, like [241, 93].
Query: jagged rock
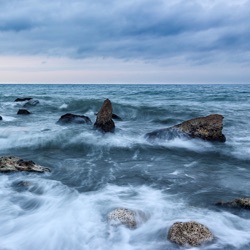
[189, 233]
[71, 118]
[208, 128]
[23, 99]
[126, 217]
[237, 203]
[1, 118]
[104, 120]
[31, 103]
[23, 112]
[14, 164]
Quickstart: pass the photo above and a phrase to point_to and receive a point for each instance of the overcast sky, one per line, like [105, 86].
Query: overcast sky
[131, 41]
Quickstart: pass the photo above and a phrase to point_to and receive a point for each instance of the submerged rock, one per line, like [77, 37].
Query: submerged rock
[23, 112]
[71, 118]
[23, 99]
[189, 233]
[31, 103]
[236, 203]
[126, 217]
[104, 120]
[116, 117]
[208, 128]
[13, 164]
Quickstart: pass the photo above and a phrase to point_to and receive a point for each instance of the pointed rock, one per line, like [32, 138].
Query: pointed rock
[104, 120]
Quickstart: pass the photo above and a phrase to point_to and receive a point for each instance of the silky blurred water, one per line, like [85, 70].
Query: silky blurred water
[93, 173]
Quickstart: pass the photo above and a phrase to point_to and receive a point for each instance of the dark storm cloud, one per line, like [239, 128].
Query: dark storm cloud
[138, 29]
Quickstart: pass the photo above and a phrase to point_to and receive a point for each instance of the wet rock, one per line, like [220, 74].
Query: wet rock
[23, 112]
[208, 128]
[104, 120]
[31, 103]
[23, 99]
[14, 164]
[1, 118]
[126, 217]
[236, 203]
[71, 118]
[189, 233]
[116, 117]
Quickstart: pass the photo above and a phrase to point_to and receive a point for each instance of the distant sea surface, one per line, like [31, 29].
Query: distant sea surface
[93, 173]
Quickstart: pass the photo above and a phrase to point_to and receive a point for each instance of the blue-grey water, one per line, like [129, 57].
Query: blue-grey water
[93, 173]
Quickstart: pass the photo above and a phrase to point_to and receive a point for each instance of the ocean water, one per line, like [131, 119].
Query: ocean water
[93, 173]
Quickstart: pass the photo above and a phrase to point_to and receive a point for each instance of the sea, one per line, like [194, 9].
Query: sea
[92, 173]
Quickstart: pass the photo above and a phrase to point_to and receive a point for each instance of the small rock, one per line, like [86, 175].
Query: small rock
[126, 217]
[23, 112]
[104, 120]
[71, 118]
[116, 117]
[12, 163]
[1, 118]
[23, 99]
[237, 203]
[189, 233]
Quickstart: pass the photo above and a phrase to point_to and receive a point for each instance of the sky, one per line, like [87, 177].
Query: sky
[132, 41]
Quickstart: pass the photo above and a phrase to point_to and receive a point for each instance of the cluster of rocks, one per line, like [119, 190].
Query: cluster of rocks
[189, 233]
[28, 103]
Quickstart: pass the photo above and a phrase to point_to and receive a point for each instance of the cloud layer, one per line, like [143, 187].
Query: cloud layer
[199, 32]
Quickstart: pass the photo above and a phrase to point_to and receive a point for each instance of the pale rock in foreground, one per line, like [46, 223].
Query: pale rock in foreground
[14, 164]
[189, 233]
[126, 217]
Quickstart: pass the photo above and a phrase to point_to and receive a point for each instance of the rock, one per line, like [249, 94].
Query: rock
[31, 103]
[104, 120]
[1, 118]
[126, 217]
[12, 163]
[23, 99]
[71, 118]
[236, 203]
[208, 128]
[23, 112]
[116, 117]
[189, 233]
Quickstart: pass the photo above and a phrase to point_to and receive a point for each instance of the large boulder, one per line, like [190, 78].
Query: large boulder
[14, 164]
[236, 203]
[189, 233]
[104, 120]
[23, 112]
[71, 118]
[208, 128]
[126, 217]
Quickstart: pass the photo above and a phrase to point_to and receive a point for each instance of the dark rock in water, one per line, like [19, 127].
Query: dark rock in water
[23, 99]
[208, 128]
[126, 217]
[116, 117]
[31, 103]
[23, 112]
[104, 120]
[71, 118]
[237, 203]
[14, 164]
[1, 118]
[189, 233]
